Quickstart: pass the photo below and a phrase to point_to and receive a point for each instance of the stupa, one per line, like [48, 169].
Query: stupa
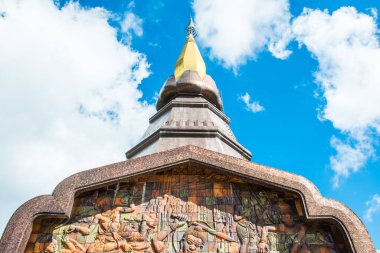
[187, 186]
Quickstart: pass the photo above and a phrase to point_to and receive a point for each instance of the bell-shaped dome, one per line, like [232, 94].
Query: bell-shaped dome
[190, 83]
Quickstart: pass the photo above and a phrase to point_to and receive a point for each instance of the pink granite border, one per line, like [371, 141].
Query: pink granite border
[59, 204]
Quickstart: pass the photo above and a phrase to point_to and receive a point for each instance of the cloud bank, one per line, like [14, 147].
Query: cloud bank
[69, 96]
[346, 45]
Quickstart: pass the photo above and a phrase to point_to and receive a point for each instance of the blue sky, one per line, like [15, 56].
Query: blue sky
[311, 77]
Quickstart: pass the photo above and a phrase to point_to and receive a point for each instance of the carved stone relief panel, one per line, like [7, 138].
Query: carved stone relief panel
[186, 210]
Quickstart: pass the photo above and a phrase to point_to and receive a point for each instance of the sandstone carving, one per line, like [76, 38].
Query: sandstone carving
[180, 211]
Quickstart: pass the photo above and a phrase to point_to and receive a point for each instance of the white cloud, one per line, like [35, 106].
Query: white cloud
[253, 106]
[69, 97]
[373, 206]
[131, 25]
[236, 31]
[351, 155]
[346, 45]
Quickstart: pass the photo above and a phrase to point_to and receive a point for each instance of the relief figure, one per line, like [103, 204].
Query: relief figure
[252, 237]
[109, 238]
[196, 236]
[288, 236]
[63, 243]
[193, 240]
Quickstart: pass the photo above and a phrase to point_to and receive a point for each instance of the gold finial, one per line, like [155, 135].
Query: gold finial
[190, 29]
[190, 57]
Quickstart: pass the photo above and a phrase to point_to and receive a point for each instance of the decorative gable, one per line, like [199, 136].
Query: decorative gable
[188, 208]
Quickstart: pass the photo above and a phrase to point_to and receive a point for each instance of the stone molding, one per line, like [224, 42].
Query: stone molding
[60, 203]
[194, 104]
[193, 132]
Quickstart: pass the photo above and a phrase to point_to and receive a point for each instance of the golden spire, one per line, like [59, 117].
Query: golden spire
[190, 57]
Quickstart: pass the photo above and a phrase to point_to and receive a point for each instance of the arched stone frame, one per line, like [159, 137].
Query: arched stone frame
[60, 203]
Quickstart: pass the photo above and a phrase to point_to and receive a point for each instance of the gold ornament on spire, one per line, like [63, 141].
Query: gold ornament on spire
[190, 57]
[190, 29]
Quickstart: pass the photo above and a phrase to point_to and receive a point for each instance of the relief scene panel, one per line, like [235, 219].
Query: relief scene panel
[186, 210]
